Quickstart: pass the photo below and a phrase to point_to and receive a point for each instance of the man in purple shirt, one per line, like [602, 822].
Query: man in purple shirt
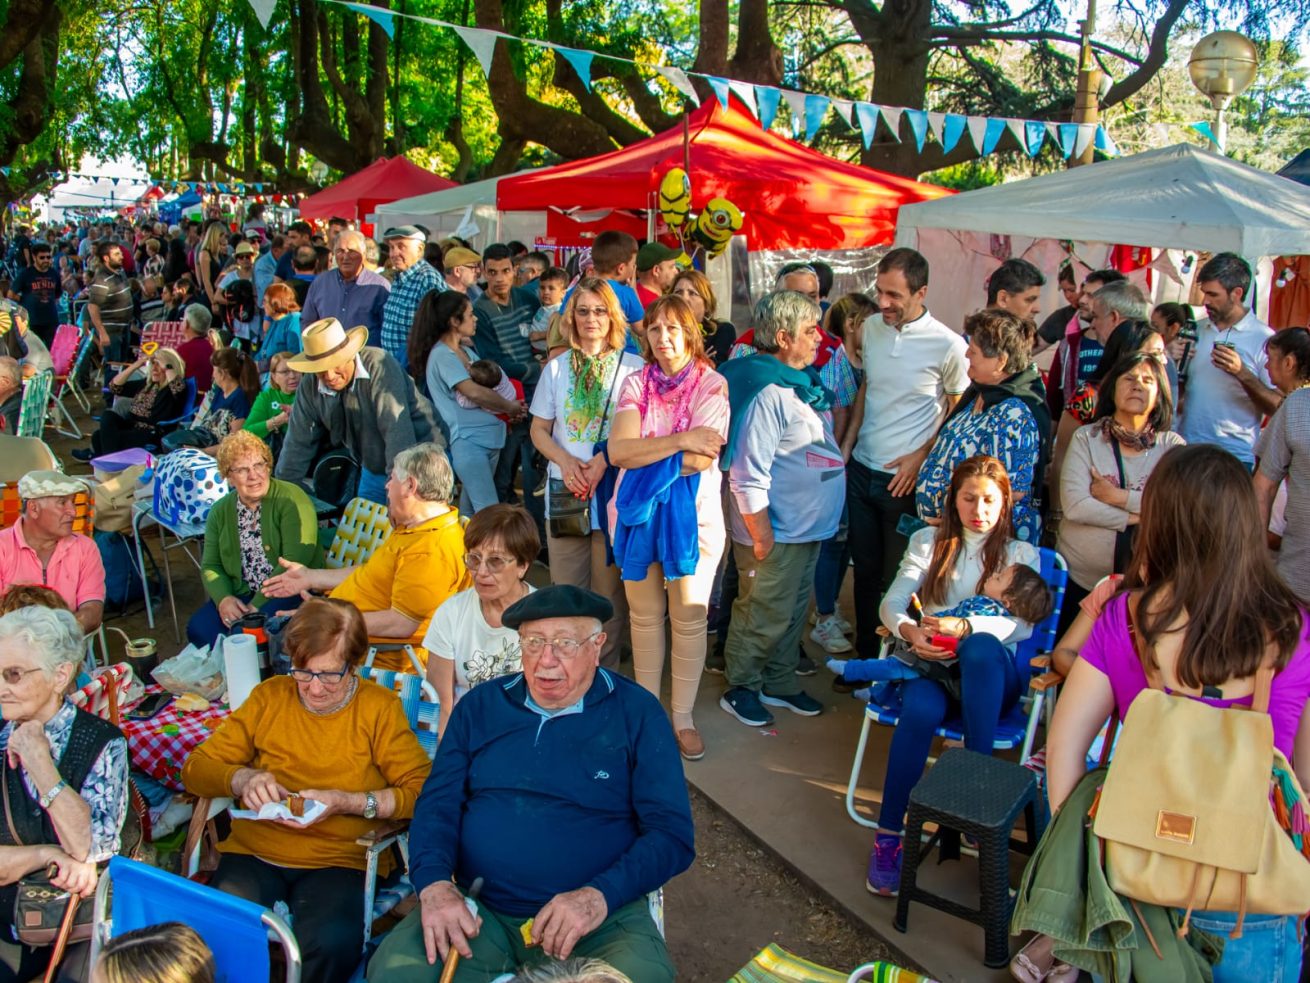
[351, 293]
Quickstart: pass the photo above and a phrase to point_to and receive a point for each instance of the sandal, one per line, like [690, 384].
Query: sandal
[1035, 963]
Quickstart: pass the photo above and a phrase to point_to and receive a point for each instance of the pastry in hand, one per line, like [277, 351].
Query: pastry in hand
[295, 805]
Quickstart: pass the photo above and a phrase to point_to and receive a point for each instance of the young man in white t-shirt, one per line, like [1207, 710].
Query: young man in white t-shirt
[915, 371]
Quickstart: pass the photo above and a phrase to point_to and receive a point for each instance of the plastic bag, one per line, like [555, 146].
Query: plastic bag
[193, 670]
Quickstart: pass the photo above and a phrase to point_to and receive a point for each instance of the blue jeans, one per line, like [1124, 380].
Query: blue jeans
[1269, 948]
[834, 558]
[476, 469]
[989, 684]
[372, 486]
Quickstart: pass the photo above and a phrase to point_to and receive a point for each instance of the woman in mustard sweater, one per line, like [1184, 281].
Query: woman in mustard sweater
[320, 735]
[248, 530]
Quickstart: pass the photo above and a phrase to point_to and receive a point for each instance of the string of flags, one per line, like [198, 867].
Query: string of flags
[807, 109]
[238, 188]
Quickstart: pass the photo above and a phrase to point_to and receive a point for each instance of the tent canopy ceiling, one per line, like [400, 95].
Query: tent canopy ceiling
[791, 196]
[386, 179]
[1180, 197]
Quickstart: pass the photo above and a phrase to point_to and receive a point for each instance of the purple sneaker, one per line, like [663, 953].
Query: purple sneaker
[885, 866]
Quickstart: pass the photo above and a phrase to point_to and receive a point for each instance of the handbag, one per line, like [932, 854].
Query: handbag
[570, 515]
[1126, 538]
[44, 914]
[1184, 815]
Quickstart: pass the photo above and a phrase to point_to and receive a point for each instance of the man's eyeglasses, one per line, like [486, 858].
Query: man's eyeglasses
[564, 648]
[326, 678]
[493, 563]
[14, 676]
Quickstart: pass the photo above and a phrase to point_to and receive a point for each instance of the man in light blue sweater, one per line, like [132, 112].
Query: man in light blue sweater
[788, 483]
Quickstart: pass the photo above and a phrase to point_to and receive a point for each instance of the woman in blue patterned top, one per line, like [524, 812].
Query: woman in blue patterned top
[64, 773]
[1003, 414]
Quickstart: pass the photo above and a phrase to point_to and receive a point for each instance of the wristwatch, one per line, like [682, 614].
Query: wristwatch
[48, 799]
[370, 806]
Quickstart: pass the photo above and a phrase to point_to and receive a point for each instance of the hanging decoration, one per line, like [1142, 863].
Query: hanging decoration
[712, 229]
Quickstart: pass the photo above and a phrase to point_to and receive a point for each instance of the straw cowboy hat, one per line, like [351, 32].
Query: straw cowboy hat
[327, 344]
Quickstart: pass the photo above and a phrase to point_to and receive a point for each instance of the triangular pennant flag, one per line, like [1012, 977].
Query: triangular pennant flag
[1016, 128]
[992, 136]
[1104, 144]
[844, 109]
[746, 93]
[263, 11]
[1203, 128]
[892, 117]
[766, 100]
[935, 123]
[952, 130]
[1034, 136]
[259, 188]
[677, 78]
[977, 129]
[115, 180]
[720, 87]
[918, 126]
[1086, 132]
[481, 43]
[1068, 135]
[5, 171]
[579, 61]
[796, 103]
[382, 18]
[816, 107]
[867, 115]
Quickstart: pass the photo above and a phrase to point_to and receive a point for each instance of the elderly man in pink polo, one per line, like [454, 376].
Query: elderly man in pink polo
[41, 547]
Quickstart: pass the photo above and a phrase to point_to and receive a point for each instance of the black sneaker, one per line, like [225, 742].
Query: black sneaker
[82, 453]
[715, 662]
[801, 703]
[805, 666]
[744, 704]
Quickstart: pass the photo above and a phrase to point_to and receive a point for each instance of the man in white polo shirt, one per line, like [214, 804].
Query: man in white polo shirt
[1228, 387]
[915, 371]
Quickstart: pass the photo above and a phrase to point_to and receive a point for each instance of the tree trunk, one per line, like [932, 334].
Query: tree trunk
[757, 59]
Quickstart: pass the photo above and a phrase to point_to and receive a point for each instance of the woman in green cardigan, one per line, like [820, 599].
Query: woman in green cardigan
[248, 529]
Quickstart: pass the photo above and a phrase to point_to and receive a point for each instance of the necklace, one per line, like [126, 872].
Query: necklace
[354, 684]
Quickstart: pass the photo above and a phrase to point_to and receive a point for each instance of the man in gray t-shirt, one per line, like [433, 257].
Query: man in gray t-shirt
[110, 303]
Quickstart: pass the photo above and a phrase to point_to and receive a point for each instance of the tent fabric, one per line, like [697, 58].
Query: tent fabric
[384, 180]
[1180, 197]
[451, 199]
[791, 196]
[1298, 168]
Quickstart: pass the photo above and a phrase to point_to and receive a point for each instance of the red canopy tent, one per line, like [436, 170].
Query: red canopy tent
[386, 179]
[792, 197]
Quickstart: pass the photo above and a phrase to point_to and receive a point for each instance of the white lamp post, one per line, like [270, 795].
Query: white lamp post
[1222, 66]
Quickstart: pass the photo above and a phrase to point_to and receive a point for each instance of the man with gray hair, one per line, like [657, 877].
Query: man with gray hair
[197, 350]
[409, 576]
[1114, 304]
[351, 293]
[41, 547]
[11, 394]
[788, 484]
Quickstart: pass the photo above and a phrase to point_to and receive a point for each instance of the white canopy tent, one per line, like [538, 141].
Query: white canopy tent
[1180, 198]
[100, 194]
[445, 212]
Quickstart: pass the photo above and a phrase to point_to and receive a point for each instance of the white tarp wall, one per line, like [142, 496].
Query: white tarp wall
[101, 194]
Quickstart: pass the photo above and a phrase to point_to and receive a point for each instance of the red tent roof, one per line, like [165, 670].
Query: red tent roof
[792, 197]
[386, 179]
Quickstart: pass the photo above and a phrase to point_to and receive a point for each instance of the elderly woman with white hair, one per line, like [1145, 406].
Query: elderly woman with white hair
[418, 568]
[64, 774]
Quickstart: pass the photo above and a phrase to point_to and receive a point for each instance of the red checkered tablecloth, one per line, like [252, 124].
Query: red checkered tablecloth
[159, 746]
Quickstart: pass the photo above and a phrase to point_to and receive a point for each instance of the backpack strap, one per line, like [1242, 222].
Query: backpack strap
[1264, 684]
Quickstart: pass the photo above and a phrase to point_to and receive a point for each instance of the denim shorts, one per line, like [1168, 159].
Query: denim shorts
[1268, 950]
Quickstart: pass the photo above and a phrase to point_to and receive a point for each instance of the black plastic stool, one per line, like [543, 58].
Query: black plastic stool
[979, 796]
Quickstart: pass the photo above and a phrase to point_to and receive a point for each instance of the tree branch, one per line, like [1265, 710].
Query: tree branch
[964, 34]
[1156, 54]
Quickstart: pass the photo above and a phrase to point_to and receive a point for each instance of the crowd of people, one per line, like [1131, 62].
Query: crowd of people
[666, 469]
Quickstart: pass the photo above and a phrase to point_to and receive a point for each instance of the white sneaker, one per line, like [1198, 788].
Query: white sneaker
[846, 627]
[828, 633]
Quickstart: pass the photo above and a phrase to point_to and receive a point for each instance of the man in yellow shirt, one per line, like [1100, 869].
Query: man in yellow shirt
[410, 575]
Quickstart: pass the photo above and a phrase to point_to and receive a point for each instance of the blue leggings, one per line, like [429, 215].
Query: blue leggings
[989, 684]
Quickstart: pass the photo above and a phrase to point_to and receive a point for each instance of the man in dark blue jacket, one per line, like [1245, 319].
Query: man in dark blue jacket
[559, 786]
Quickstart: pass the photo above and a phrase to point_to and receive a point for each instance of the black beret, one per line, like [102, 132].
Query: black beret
[558, 601]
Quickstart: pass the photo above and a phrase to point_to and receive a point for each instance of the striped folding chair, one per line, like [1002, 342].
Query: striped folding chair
[36, 400]
[364, 527]
[65, 381]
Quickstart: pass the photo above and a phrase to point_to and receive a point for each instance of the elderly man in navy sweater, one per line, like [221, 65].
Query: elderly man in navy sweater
[561, 787]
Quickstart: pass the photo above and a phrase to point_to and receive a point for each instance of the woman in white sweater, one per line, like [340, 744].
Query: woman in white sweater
[1105, 470]
[943, 567]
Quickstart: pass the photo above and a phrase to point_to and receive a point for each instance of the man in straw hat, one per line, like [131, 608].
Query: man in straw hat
[41, 547]
[360, 400]
[560, 787]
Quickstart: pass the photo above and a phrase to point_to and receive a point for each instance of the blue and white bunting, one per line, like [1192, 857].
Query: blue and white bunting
[767, 99]
[580, 61]
[816, 107]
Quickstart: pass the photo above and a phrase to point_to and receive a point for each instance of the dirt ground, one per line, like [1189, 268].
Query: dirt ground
[736, 898]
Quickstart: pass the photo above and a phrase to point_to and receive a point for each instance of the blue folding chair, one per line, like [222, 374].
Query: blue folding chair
[237, 931]
[1019, 726]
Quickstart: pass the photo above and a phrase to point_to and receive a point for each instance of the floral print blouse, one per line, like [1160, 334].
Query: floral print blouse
[1006, 431]
[255, 566]
[105, 789]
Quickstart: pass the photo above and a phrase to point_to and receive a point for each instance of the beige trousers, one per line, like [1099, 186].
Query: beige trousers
[580, 561]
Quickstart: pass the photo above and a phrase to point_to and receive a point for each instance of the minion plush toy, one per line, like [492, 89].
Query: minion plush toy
[717, 223]
[675, 198]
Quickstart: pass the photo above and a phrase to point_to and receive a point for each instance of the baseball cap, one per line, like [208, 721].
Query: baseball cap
[405, 232]
[652, 254]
